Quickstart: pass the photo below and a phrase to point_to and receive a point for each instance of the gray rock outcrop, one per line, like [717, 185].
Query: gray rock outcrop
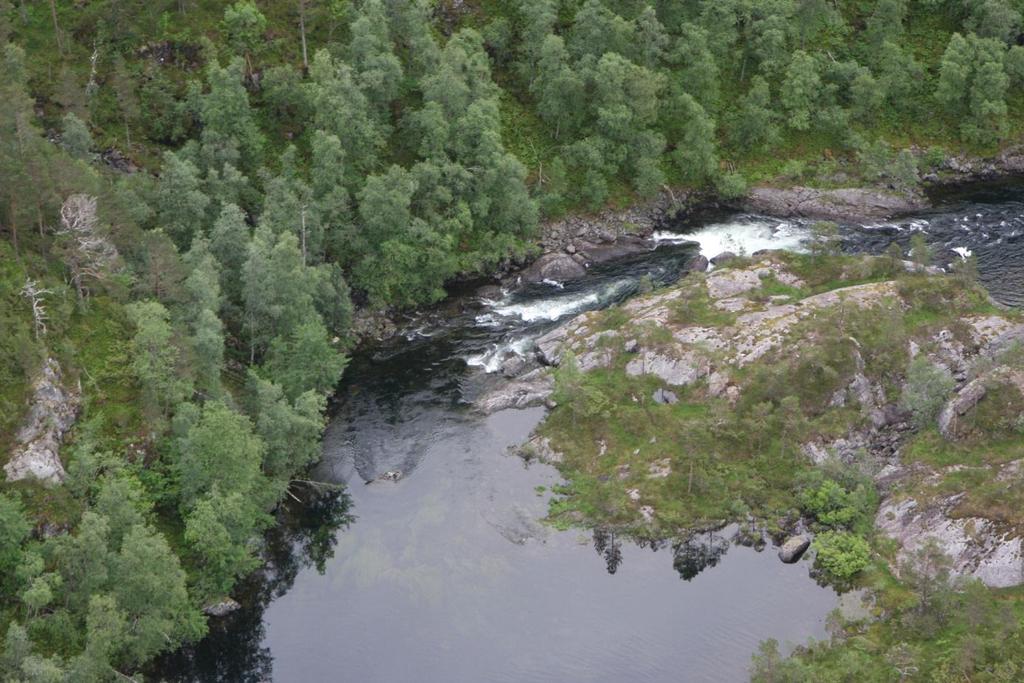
[53, 410]
[977, 547]
[532, 389]
[846, 204]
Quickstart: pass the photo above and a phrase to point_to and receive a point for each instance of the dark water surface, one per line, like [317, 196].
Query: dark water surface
[446, 575]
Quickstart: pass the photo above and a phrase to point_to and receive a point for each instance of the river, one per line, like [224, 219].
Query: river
[446, 575]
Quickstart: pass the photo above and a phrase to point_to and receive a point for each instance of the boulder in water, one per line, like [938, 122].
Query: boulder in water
[794, 548]
[557, 267]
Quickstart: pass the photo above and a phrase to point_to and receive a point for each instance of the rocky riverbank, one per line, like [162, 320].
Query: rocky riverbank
[838, 337]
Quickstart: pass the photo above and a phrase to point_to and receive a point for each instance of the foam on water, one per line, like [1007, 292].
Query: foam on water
[748, 235]
[549, 309]
[743, 236]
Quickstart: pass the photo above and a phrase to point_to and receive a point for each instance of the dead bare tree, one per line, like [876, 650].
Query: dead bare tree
[88, 254]
[36, 297]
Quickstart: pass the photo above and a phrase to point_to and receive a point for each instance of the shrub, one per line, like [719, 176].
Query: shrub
[926, 390]
[841, 555]
[731, 185]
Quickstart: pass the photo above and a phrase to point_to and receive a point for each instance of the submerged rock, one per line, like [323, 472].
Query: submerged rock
[794, 548]
[53, 410]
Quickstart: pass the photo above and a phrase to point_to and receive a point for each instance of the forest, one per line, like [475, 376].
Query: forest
[198, 198]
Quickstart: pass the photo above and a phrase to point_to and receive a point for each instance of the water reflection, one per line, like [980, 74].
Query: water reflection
[234, 650]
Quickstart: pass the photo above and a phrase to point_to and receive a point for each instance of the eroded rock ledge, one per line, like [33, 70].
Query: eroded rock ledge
[53, 410]
[845, 204]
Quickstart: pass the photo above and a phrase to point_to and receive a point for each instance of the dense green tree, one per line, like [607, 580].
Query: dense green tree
[221, 450]
[122, 503]
[84, 560]
[927, 388]
[305, 360]
[290, 430]
[800, 90]
[651, 40]
[76, 138]
[333, 203]
[538, 22]
[14, 529]
[901, 76]
[886, 22]
[202, 285]
[229, 243]
[222, 533]
[597, 31]
[754, 126]
[207, 342]
[278, 289]
[954, 74]
[148, 583]
[1014, 62]
[343, 110]
[867, 95]
[559, 90]
[695, 70]
[226, 115]
[841, 554]
[155, 358]
[244, 26]
[181, 203]
[988, 107]
[284, 97]
[695, 152]
[378, 70]
[999, 19]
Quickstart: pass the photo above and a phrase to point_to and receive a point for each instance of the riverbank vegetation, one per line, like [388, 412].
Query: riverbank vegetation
[193, 195]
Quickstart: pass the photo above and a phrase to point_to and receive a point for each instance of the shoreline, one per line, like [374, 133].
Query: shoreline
[572, 243]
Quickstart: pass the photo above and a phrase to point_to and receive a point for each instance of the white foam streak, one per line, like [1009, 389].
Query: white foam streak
[490, 361]
[548, 309]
